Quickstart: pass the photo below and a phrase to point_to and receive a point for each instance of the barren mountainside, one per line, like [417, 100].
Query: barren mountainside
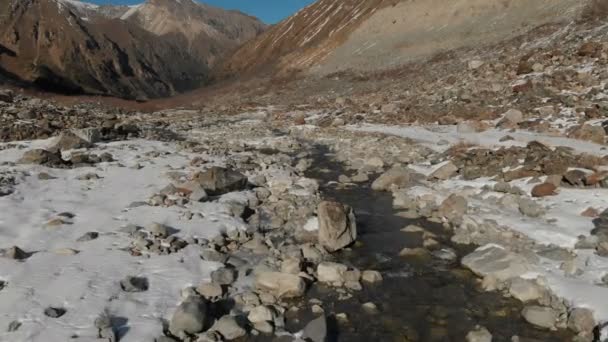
[156, 49]
[331, 36]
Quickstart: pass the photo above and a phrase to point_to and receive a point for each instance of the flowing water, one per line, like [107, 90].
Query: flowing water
[420, 299]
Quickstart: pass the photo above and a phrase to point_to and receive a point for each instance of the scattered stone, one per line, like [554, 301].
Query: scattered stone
[445, 171]
[525, 290]
[223, 276]
[337, 225]
[479, 334]
[191, 317]
[158, 230]
[14, 326]
[371, 277]
[530, 208]
[41, 157]
[54, 312]
[134, 284]
[511, 119]
[229, 328]
[496, 262]
[316, 330]
[398, 177]
[331, 273]
[69, 141]
[543, 190]
[540, 316]
[370, 308]
[218, 180]
[89, 236]
[280, 285]
[575, 177]
[581, 320]
[453, 207]
[210, 291]
[14, 253]
[590, 212]
[260, 314]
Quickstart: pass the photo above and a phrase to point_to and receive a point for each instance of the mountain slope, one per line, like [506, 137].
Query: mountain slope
[332, 35]
[75, 47]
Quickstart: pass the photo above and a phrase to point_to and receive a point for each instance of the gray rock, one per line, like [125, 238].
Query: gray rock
[134, 284]
[88, 236]
[41, 157]
[281, 285]
[14, 326]
[525, 290]
[480, 334]
[210, 291]
[496, 262]
[7, 95]
[261, 314]
[159, 230]
[337, 225]
[332, 273]
[223, 276]
[581, 320]
[229, 328]
[540, 316]
[91, 135]
[54, 312]
[529, 207]
[316, 330]
[191, 317]
[371, 277]
[445, 171]
[453, 207]
[69, 141]
[218, 180]
[397, 177]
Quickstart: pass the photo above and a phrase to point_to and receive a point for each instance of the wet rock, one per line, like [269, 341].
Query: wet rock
[540, 316]
[316, 330]
[280, 285]
[371, 277]
[496, 262]
[543, 190]
[331, 273]
[529, 207]
[397, 177]
[191, 317]
[54, 312]
[229, 328]
[479, 334]
[223, 276]
[445, 171]
[218, 180]
[134, 284]
[337, 225]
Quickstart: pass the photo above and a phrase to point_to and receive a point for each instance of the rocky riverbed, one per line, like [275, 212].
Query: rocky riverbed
[176, 227]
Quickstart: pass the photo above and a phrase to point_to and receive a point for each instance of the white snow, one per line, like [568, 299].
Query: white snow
[87, 283]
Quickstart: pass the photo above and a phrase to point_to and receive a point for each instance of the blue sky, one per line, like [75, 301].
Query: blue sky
[270, 11]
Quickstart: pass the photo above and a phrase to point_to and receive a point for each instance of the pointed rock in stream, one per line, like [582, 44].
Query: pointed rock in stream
[337, 225]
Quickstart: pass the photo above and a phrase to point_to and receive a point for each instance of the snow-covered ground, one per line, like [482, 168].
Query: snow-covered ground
[87, 283]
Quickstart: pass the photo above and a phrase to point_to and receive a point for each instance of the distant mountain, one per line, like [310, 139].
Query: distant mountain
[362, 35]
[155, 49]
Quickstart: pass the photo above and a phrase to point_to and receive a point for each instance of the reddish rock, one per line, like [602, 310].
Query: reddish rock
[543, 190]
[523, 87]
[590, 212]
[590, 49]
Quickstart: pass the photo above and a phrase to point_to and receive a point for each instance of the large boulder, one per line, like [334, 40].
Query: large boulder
[191, 317]
[337, 225]
[218, 180]
[398, 177]
[281, 285]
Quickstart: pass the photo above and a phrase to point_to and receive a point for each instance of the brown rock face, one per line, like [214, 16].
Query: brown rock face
[61, 47]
